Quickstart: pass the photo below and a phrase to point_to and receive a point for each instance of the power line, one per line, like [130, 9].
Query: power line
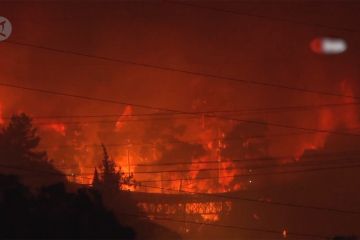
[254, 159]
[307, 170]
[253, 167]
[193, 141]
[279, 125]
[251, 160]
[278, 19]
[235, 168]
[304, 164]
[253, 110]
[169, 219]
[162, 142]
[54, 173]
[90, 98]
[227, 226]
[221, 196]
[172, 110]
[177, 70]
[275, 203]
[158, 142]
[115, 121]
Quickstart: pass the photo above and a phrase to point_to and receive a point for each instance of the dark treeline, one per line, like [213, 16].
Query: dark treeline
[112, 183]
[19, 154]
[33, 198]
[52, 212]
[35, 203]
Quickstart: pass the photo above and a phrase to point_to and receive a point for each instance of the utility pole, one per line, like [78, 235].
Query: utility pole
[73, 175]
[219, 154]
[128, 158]
[203, 121]
[180, 186]
[161, 182]
[220, 146]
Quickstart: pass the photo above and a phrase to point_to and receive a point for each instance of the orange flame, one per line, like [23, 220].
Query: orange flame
[56, 127]
[125, 115]
[330, 118]
[2, 121]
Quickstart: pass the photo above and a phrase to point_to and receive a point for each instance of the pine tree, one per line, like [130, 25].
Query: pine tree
[18, 150]
[110, 177]
[19, 139]
[96, 183]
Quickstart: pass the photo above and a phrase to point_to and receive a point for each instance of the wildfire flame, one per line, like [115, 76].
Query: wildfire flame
[207, 133]
[125, 115]
[330, 118]
[56, 127]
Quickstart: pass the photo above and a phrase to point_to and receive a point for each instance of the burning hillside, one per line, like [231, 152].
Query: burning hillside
[185, 101]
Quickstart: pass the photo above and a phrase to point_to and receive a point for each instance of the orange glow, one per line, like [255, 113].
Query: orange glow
[284, 233]
[56, 127]
[220, 112]
[2, 121]
[329, 119]
[125, 115]
[207, 211]
[210, 136]
[326, 121]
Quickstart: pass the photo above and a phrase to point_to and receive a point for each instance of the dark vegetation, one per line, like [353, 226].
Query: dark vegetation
[33, 198]
[52, 212]
[35, 203]
[19, 154]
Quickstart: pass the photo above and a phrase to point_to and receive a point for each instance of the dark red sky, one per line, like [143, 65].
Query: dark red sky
[168, 34]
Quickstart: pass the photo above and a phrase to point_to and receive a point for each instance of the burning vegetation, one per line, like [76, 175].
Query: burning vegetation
[187, 115]
[203, 154]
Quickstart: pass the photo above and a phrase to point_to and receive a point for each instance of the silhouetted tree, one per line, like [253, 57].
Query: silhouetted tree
[110, 179]
[96, 181]
[19, 139]
[19, 155]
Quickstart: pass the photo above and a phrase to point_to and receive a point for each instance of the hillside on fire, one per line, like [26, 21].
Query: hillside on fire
[180, 119]
[36, 200]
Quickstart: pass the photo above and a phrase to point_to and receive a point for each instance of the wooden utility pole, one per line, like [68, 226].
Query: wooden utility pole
[128, 158]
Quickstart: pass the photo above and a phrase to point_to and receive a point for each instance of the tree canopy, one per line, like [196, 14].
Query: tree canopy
[54, 213]
[110, 179]
[19, 153]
